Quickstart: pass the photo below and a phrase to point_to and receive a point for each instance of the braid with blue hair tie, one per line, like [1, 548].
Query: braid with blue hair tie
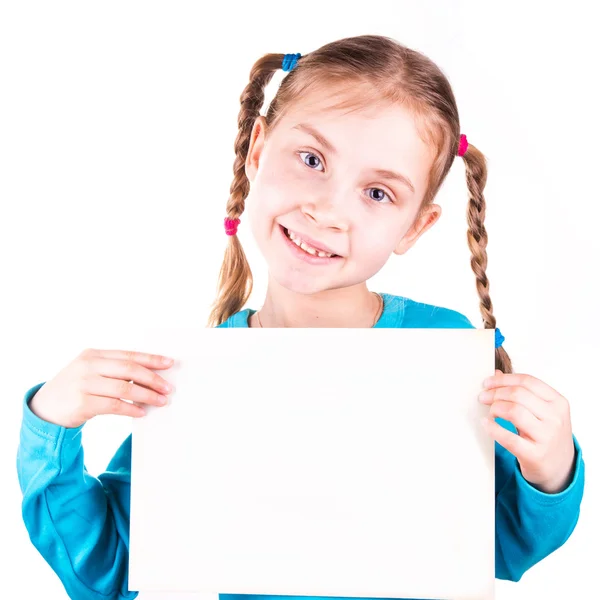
[290, 61]
[499, 338]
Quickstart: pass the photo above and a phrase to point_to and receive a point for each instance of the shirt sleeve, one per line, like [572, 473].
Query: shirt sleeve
[531, 524]
[78, 523]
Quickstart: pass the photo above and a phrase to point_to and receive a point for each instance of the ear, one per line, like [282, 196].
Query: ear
[431, 214]
[255, 148]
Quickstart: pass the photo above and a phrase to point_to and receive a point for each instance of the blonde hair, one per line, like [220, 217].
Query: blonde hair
[376, 69]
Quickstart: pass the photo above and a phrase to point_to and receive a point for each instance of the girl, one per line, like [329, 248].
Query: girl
[339, 174]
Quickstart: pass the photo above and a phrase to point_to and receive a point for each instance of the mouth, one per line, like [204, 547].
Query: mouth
[314, 253]
[314, 250]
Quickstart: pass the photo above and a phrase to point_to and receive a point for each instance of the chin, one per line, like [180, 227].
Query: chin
[306, 283]
[300, 283]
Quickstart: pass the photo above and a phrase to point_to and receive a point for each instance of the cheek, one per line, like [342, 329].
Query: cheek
[267, 202]
[275, 192]
[251, 209]
[376, 238]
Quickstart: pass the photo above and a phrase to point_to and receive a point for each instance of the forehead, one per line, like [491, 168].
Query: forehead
[359, 102]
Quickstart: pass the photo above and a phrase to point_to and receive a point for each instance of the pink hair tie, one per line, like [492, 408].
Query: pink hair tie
[231, 226]
[462, 144]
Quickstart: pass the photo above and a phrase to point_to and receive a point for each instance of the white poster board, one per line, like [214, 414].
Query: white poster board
[316, 462]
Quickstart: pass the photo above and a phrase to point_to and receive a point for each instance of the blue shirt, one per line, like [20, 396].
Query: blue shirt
[80, 523]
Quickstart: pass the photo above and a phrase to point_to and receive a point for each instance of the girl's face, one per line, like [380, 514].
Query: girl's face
[324, 177]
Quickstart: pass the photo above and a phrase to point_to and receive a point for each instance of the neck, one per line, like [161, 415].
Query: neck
[353, 306]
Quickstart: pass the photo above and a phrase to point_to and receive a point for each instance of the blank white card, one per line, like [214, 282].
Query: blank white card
[316, 462]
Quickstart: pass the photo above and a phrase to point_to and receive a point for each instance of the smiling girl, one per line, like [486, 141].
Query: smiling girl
[339, 175]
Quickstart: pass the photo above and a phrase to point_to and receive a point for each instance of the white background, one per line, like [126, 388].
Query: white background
[117, 124]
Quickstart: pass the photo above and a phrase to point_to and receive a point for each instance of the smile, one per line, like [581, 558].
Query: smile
[307, 247]
[315, 254]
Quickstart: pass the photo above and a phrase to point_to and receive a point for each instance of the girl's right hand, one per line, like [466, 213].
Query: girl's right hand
[95, 383]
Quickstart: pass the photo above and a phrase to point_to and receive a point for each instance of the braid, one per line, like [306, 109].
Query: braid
[235, 278]
[476, 172]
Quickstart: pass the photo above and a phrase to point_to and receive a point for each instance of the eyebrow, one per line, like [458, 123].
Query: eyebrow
[385, 173]
[318, 136]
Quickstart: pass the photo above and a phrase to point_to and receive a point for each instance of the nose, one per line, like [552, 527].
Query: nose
[327, 211]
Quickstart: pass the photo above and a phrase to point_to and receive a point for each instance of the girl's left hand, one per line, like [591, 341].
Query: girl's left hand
[544, 445]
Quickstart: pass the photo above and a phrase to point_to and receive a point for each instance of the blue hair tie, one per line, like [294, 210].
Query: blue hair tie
[499, 338]
[290, 61]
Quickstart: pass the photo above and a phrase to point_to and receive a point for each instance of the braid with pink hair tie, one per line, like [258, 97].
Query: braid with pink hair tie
[462, 144]
[231, 226]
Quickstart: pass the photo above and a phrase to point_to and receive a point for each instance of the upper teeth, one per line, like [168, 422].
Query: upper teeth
[306, 247]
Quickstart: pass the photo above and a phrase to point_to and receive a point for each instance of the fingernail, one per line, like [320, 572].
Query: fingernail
[163, 399]
[483, 396]
[166, 360]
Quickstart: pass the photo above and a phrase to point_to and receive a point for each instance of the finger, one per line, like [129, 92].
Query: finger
[518, 395]
[101, 405]
[129, 370]
[152, 361]
[514, 443]
[527, 424]
[534, 385]
[98, 385]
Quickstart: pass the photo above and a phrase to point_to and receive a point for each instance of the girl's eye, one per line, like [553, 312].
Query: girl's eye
[313, 159]
[380, 196]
